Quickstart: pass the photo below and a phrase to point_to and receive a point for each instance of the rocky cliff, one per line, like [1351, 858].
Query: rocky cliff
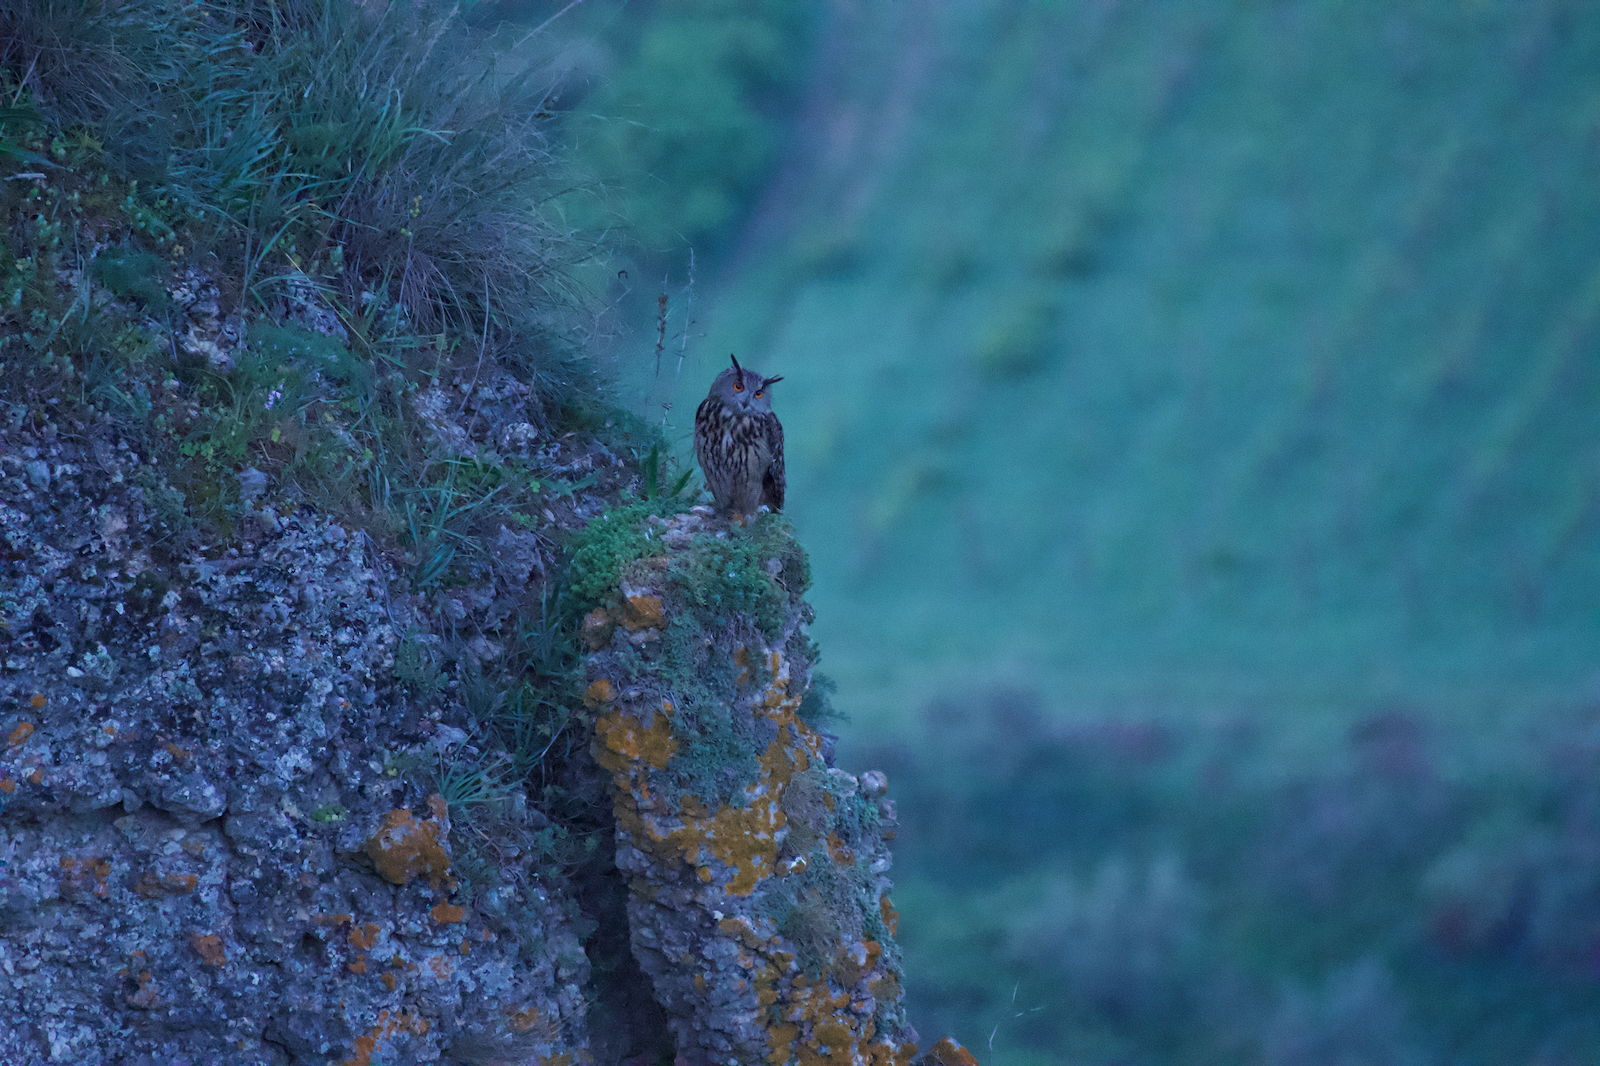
[221, 830]
[758, 897]
[238, 828]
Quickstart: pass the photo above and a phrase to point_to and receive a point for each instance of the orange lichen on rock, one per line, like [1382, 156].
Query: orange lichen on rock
[741, 838]
[599, 694]
[88, 873]
[529, 1020]
[37, 700]
[887, 1055]
[640, 611]
[624, 739]
[783, 759]
[723, 851]
[856, 963]
[365, 936]
[405, 847]
[781, 1039]
[144, 996]
[389, 1026]
[19, 735]
[446, 913]
[891, 917]
[949, 1053]
[819, 1027]
[209, 947]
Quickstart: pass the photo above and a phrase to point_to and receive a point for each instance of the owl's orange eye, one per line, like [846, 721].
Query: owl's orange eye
[758, 394]
[738, 386]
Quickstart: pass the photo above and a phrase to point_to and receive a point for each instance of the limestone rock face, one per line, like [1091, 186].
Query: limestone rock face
[216, 847]
[758, 904]
[206, 855]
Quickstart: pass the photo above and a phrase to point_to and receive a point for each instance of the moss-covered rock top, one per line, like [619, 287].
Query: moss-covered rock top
[758, 905]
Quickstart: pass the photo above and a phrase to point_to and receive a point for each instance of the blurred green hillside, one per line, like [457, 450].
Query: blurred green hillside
[1189, 354]
[679, 113]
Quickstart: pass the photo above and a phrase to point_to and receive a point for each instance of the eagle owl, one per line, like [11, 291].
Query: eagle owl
[739, 442]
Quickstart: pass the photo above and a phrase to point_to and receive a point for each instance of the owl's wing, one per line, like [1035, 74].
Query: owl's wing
[704, 419]
[772, 482]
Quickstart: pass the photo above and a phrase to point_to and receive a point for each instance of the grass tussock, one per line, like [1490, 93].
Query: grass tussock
[262, 236]
[377, 152]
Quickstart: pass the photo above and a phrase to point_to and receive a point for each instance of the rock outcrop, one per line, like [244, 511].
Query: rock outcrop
[758, 902]
[225, 835]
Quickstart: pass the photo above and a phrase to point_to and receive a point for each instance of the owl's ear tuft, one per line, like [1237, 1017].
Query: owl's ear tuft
[768, 381]
[736, 365]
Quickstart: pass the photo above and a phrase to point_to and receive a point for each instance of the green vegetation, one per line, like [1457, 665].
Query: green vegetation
[382, 152]
[1127, 890]
[304, 217]
[752, 574]
[604, 548]
[753, 571]
[688, 125]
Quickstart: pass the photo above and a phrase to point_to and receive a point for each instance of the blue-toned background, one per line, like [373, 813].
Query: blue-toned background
[1192, 418]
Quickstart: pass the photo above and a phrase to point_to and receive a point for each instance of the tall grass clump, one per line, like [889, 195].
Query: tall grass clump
[384, 153]
[348, 205]
[424, 155]
[78, 59]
